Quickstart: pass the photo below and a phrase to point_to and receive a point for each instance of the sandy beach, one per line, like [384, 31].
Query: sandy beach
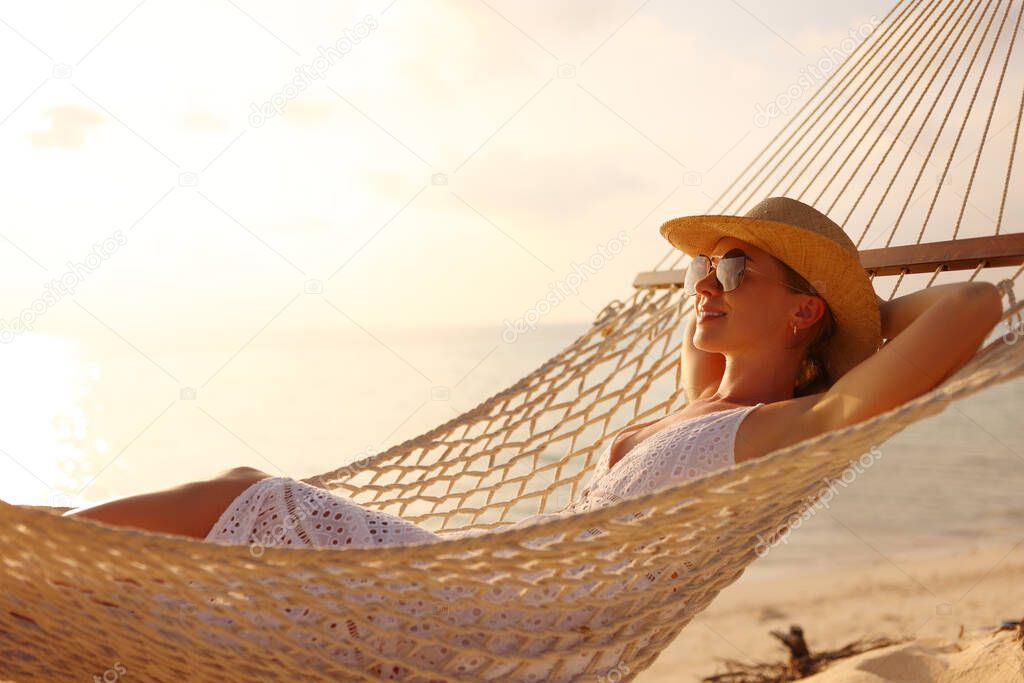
[927, 595]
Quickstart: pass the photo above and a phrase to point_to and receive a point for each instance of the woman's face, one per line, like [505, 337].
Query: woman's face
[760, 311]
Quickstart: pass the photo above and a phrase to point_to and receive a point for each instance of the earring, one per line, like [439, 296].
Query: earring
[794, 329]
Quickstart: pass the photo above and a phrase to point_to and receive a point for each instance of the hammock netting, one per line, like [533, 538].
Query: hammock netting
[909, 144]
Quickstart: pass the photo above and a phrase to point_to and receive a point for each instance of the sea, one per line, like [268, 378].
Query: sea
[87, 418]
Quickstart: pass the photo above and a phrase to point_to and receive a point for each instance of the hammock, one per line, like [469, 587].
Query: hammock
[80, 598]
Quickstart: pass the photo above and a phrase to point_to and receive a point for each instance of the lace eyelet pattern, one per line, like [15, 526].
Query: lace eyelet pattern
[690, 449]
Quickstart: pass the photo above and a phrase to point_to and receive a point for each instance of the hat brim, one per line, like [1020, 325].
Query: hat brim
[831, 270]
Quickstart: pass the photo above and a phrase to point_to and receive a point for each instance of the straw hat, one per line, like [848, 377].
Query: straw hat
[807, 241]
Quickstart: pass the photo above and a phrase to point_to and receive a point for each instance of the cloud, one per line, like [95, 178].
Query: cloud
[68, 127]
[558, 187]
[307, 111]
[392, 185]
[201, 121]
[832, 42]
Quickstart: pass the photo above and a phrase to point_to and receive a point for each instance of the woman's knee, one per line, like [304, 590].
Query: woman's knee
[242, 473]
[209, 499]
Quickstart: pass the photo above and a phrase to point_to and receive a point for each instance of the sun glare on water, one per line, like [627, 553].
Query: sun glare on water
[45, 439]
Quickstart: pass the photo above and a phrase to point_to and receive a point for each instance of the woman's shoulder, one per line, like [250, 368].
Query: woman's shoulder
[779, 424]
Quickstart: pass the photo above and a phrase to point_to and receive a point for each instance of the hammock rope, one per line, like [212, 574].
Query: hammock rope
[80, 598]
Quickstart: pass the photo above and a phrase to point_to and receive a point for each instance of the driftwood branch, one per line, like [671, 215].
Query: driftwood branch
[801, 663]
[1013, 625]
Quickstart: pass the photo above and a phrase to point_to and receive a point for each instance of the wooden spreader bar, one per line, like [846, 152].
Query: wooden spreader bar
[962, 254]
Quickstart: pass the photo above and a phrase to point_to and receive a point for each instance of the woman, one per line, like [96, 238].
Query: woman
[785, 345]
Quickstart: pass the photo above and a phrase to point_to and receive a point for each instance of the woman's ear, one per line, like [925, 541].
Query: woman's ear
[810, 310]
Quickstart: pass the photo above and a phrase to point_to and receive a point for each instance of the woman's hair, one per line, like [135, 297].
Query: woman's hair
[813, 376]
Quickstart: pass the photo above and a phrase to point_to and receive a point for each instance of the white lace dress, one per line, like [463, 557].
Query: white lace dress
[283, 511]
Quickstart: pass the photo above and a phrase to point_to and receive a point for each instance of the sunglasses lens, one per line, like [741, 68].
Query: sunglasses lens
[729, 272]
[698, 269]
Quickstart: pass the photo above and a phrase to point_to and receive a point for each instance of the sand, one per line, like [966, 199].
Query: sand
[927, 595]
[986, 658]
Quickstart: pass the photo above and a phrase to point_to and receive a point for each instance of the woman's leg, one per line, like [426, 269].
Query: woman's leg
[189, 509]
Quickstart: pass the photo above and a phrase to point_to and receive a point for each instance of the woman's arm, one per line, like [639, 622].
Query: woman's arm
[931, 334]
[903, 310]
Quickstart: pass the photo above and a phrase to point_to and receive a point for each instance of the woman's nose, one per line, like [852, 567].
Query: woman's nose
[708, 283]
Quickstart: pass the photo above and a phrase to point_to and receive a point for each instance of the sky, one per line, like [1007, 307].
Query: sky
[230, 225]
[442, 163]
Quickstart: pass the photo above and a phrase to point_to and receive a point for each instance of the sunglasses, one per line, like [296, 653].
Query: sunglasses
[729, 271]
